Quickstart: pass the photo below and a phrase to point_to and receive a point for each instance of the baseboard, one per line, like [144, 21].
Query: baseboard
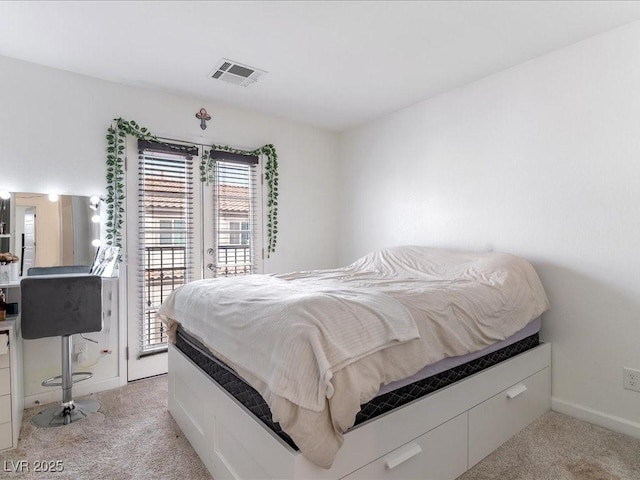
[611, 422]
[79, 390]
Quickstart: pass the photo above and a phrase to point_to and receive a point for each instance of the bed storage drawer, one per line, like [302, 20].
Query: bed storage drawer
[497, 419]
[440, 453]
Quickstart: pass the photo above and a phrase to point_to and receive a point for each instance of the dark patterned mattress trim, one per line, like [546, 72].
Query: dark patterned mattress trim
[253, 401]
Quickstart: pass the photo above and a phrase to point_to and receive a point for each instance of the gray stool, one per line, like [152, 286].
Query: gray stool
[62, 305]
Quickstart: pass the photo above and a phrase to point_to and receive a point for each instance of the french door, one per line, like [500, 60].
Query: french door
[232, 216]
[180, 230]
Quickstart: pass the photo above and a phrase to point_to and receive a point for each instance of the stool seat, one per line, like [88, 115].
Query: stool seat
[57, 305]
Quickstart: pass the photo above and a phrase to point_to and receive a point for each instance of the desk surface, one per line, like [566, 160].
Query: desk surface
[9, 323]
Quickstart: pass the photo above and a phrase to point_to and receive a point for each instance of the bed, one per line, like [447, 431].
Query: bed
[345, 350]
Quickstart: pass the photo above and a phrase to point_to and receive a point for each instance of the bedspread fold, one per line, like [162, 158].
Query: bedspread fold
[292, 336]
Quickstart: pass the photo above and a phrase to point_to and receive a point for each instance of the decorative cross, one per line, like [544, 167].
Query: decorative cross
[203, 116]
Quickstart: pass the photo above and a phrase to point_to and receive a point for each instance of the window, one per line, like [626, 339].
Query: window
[173, 232]
[236, 213]
[239, 233]
[165, 231]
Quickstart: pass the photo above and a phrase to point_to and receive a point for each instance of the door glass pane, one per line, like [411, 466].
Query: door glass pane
[235, 218]
[164, 232]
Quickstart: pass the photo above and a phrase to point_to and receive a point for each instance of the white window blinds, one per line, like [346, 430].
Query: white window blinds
[165, 231]
[236, 214]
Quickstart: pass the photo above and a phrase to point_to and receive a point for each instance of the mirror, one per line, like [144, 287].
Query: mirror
[49, 230]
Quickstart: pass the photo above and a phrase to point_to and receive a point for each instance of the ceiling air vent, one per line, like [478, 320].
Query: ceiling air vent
[236, 73]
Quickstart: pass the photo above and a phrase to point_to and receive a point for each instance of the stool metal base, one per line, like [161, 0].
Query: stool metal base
[75, 378]
[58, 415]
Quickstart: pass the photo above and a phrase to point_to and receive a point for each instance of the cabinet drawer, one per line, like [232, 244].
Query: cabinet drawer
[5, 408]
[5, 381]
[4, 360]
[6, 440]
[497, 419]
[440, 453]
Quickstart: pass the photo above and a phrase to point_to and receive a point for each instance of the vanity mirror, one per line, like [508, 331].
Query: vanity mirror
[49, 230]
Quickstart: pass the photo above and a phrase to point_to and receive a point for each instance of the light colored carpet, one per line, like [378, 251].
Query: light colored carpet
[558, 447]
[134, 437]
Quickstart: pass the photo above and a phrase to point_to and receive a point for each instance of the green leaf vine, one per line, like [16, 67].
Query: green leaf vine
[207, 167]
[116, 137]
[115, 199]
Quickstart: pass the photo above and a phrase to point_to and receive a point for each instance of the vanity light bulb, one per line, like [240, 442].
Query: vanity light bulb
[95, 219]
[95, 243]
[94, 202]
[5, 195]
[53, 197]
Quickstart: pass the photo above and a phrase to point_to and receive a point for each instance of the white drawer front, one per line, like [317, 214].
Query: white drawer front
[5, 381]
[4, 360]
[5, 408]
[439, 454]
[500, 417]
[6, 440]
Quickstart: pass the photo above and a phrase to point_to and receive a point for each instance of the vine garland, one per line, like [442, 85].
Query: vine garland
[116, 136]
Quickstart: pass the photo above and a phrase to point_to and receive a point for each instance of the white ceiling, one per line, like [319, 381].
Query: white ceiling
[331, 64]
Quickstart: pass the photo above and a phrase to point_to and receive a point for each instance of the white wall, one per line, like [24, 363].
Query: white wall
[542, 160]
[52, 138]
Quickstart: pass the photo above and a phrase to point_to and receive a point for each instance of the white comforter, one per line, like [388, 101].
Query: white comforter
[291, 335]
[318, 344]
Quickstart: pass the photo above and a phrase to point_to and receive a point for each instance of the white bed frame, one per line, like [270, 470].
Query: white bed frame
[438, 436]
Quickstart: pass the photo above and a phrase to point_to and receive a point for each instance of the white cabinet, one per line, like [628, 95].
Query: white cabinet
[11, 389]
[6, 436]
[5, 408]
[11, 398]
[5, 373]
